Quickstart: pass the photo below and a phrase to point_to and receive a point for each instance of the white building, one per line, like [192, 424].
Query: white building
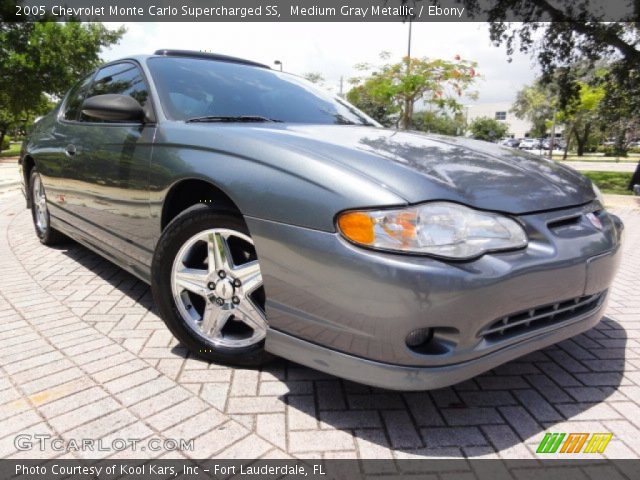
[500, 111]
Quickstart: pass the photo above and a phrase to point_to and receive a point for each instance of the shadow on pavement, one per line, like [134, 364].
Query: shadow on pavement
[499, 410]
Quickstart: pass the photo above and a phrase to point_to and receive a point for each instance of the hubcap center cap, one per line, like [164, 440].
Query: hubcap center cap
[225, 289]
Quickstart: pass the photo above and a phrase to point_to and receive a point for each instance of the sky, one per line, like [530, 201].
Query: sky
[333, 49]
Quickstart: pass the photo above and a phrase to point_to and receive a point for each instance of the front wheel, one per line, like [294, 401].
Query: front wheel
[208, 286]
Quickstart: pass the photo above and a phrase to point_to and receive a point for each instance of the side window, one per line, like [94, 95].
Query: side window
[123, 79]
[75, 98]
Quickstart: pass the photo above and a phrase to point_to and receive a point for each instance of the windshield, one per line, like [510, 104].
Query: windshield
[193, 88]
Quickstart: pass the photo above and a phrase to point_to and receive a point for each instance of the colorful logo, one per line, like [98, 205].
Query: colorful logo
[574, 443]
[595, 221]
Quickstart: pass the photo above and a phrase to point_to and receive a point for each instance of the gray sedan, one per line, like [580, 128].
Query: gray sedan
[271, 218]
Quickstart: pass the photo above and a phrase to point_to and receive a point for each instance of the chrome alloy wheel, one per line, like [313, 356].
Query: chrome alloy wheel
[39, 200]
[217, 288]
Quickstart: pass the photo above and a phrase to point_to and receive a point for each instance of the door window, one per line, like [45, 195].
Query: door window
[74, 100]
[123, 79]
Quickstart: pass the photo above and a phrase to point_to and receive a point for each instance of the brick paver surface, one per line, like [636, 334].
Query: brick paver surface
[84, 355]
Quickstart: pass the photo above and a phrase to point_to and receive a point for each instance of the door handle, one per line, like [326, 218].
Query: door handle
[70, 150]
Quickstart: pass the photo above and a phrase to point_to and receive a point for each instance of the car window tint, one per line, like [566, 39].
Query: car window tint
[75, 98]
[191, 87]
[123, 79]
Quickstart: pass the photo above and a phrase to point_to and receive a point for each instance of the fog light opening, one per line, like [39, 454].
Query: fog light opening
[419, 337]
[432, 341]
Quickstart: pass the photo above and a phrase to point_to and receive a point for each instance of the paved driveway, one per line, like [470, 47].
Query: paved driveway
[83, 354]
[628, 167]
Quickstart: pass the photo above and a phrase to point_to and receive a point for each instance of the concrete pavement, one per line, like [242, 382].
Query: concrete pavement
[83, 354]
[628, 167]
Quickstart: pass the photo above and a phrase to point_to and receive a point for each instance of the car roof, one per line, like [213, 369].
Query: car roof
[200, 55]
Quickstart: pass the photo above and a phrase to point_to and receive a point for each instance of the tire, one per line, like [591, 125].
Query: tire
[194, 313]
[40, 212]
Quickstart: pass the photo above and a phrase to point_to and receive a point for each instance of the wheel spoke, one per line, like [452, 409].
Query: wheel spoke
[247, 313]
[214, 319]
[218, 257]
[250, 276]
[193, 280]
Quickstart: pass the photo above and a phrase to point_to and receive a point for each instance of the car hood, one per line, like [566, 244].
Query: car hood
[420, 167]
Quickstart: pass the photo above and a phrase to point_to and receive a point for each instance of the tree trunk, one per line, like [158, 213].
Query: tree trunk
[3, 132]
[582, 140]
[620, 146]
[566, 147]
[407, 114]
[635, 178]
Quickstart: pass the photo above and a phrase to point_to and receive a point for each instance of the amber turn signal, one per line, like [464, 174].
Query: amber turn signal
[357, 227]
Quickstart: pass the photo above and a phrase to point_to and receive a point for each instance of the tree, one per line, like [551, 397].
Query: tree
[435, 81]
[577, 32]
[314, 77]
[19, 122]
[535, 103]
[438, 122]
[562, 32]
[380, 109]
[41, 60]
[620, 114]
[489, 129]
[580, 115]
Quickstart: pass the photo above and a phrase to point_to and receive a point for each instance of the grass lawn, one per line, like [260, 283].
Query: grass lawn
[14, 151]
[611, 182]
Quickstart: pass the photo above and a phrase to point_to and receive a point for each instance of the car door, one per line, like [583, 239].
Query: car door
[54, 148]
[111, 162]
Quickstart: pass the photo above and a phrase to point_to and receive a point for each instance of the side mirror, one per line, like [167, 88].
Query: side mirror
[112, 107]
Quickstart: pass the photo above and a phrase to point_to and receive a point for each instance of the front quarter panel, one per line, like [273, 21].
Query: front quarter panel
[264, 180]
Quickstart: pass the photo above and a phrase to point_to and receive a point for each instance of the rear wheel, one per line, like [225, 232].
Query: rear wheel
[40, 212]
[208, 286]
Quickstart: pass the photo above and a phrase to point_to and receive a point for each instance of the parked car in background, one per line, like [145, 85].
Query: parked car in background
[529, 144]
[271, 218]
[510, 142]
[558, 144]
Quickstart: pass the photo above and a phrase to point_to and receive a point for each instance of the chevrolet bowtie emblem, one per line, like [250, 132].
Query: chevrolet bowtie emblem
[595, 221]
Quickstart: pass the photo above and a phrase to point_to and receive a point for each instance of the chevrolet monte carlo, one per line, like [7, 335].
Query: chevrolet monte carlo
[271, 218]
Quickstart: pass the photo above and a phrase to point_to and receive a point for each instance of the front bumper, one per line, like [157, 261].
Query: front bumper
[331, 304]
[401, 377]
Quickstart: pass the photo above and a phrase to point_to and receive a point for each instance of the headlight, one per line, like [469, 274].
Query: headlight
[441, 229]
[598, 193]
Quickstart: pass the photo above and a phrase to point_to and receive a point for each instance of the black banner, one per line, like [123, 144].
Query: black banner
[490, 469]
[321, 11]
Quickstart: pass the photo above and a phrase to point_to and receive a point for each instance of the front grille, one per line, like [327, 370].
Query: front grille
[540, 317]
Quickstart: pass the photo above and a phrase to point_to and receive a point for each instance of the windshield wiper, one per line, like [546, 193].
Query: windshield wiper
[239, 118]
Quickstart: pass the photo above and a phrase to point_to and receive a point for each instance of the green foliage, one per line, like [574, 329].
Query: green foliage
[619, 111]
[12, 151]
[489, 129]
[580, 115]
[611, 151]
[379, 109]
[6, 143]
[39, 61]
[314, 77]
[611, 182]
[48, 57]
[442, 123]
[576, 34]
[397, 86]
[536, 104]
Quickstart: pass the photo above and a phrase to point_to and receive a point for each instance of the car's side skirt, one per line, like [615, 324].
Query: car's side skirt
[122, 260]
